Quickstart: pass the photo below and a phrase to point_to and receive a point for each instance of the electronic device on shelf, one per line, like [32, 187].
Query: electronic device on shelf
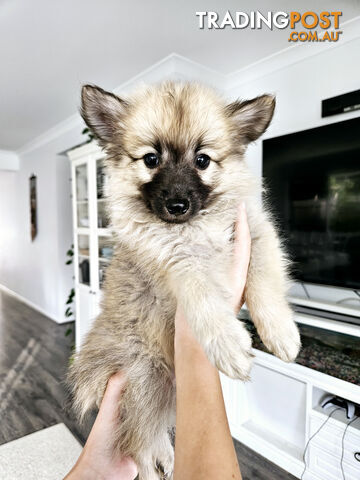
[333, 401]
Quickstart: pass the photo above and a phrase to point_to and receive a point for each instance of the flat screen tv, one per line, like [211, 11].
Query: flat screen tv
[312, 180]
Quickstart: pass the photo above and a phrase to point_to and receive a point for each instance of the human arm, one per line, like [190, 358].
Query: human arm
[204, 448]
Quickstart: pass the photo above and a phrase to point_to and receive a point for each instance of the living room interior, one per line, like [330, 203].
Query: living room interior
[292, 420]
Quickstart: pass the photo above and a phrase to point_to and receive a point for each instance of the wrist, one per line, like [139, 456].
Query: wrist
[186, 342]
[83, 471]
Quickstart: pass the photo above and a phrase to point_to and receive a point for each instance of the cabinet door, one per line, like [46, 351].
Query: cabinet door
[83, 253]
[83, 247]
[105, 252]
[101, 180]
[81, 197]
[81, 212]
[91, 238]
[104, 244]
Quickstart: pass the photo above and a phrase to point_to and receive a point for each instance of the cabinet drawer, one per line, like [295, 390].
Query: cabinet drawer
[327, 466]
[330, 439]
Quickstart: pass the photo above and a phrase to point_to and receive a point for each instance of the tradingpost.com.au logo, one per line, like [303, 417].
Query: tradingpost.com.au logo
[305, 27]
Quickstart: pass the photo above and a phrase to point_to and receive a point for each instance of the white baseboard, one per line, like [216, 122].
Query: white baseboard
[29, 303]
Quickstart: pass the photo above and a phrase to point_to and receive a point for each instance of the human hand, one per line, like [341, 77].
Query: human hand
[96, 461]
[242, 249]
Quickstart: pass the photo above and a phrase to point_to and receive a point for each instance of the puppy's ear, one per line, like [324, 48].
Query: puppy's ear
[251, 117]
[103, 112]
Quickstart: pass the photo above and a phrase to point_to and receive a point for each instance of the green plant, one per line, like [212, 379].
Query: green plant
[72, 356]
[69, 313]
[90, 135]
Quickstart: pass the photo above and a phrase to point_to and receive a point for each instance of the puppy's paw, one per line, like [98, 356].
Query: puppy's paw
[165, 465]
[231, 353]
[149, 472]
[284, 340]
[165, 473]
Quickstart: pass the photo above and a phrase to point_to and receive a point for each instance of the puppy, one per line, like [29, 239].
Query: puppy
[175, 159]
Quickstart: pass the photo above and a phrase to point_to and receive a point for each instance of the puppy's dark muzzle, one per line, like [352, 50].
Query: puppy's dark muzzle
[177, 206]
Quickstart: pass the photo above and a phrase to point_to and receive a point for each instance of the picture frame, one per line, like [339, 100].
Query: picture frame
[33, 207]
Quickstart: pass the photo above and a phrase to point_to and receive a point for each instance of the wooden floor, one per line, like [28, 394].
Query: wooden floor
[34, 355]
[256, 467]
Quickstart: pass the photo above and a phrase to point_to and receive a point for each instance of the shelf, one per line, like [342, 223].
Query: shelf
[338, 418]
[82, 230]
[328, 324]
[273, 439]
[104, 232]
[327, 305]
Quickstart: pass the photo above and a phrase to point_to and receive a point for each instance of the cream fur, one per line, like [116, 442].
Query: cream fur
[157, 264]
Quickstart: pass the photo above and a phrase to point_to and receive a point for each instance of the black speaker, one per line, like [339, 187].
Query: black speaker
[341, 104]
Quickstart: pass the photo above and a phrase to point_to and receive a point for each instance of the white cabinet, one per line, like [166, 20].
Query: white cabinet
[279, 410]
[331, 446]
[92, 237]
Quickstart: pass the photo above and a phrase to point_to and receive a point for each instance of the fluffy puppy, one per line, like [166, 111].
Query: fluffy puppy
[176, 177]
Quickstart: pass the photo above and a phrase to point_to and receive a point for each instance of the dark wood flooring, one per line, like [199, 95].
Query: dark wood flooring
[34, 355]
[256, 467]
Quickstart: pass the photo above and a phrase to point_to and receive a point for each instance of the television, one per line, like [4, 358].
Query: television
[312, 180]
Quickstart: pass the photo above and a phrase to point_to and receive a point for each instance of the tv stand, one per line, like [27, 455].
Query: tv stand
[280, 409]
[330, 307]
[328, 315]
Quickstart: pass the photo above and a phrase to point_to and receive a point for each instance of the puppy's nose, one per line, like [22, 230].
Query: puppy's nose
[177, 206]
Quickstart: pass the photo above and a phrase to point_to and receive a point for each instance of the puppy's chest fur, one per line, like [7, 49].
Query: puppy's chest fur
[138, 307]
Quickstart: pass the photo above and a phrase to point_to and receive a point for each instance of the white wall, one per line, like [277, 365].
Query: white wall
[65, 230]
[8, 223]
[36, 270]
[9, 160]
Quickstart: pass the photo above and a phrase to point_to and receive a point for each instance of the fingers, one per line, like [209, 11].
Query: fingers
[242, 248]
[97, 457]
[242, 233]
[114, 388]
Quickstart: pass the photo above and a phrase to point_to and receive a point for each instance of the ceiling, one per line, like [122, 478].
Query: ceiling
[49, 48]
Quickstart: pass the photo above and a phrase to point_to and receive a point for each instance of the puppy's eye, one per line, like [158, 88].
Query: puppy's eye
[151, 160]
[202, 161]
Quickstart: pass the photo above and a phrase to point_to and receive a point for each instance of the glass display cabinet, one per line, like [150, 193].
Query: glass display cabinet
[93, 246]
